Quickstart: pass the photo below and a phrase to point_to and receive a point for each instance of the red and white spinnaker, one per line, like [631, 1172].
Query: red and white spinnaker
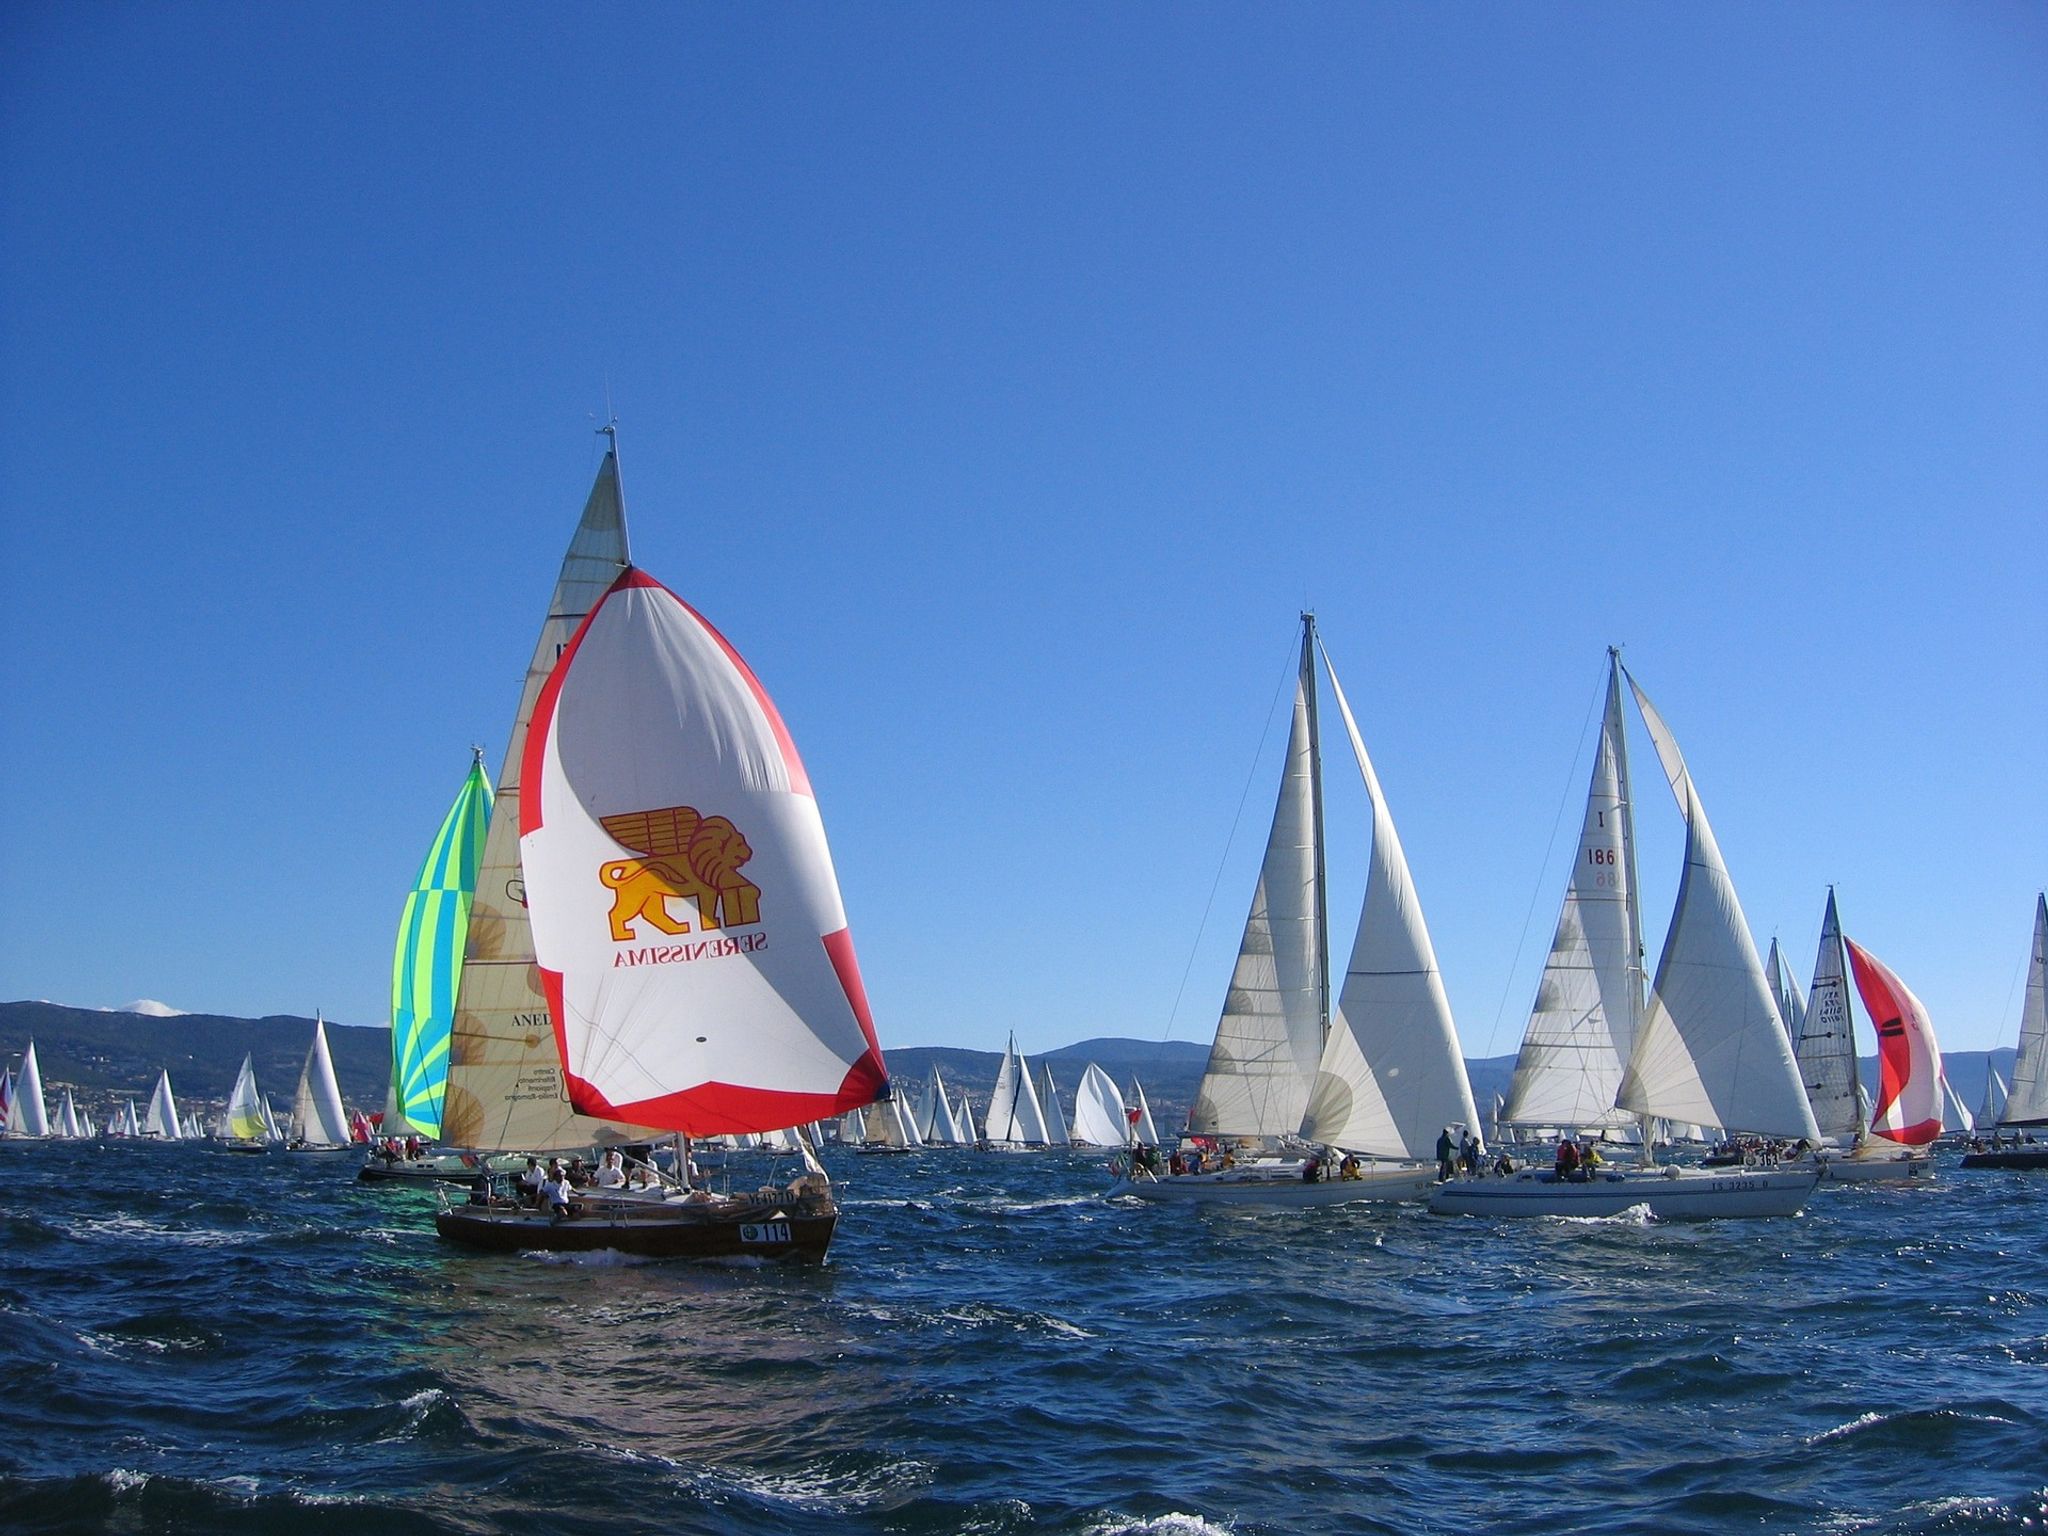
[1908, 1108]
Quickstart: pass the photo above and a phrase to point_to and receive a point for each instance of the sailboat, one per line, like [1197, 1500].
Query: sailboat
[318, 1123]
[27, 1115]
[888, 1127]
[241, 1127]
[1708, 1046]
[1099, 1117]
[1826, 1049]
[69, 1126]
[161, 1122]
[426, 969]
[691, 949]
[1056, 1132]
[1956, 1119]
[1993, 1103]
[1380, 1075]
[941, 1127]
[1014, 1120]
[2026, 1101]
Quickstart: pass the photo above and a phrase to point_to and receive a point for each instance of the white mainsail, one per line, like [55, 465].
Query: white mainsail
[686, 916]
[1583, 1023]
[1993, 1105]
[1146, 1132]
[1955, 1119]
[1013, 1117]
[2027, 1101]
[505, 1083]
[1269, 1038]
[317, 1116]
[1392, 1076]
[945, 1127]
[27, 1115]
[67, 1119]
[162, 1119]
[1711, 1047]
[1056, 1133]
[1827, 1039]
[1099, 1119]
[243, 1117]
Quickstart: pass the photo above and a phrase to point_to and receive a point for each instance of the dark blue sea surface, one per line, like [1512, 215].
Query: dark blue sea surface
[194, 1340]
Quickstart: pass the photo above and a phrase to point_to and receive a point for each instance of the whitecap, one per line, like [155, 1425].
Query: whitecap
[1174, 1524]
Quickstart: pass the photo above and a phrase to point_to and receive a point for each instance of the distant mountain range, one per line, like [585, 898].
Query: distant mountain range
[101, 1054]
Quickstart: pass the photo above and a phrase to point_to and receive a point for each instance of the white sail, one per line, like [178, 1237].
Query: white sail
[1056, 1133]
[67, 1119]
[1711, 1047]
[1014, 1117]
[2027, 1101]
[1785, 993]
[1993, 1106]
[1827, 1040]
[889, 1126]
[131, 1125]
[1392, 1076]
[1955, 1119]
[317, 1116]
[1099, 1118]
[1583, 1023]
[945, 1130]
[271, 1130]
[505, 1084]
[1270, 1035]
[1146, 1132]
[162, 1119]
[28, 1115]
[853, 1128]
[243, 1117]
[685, 911]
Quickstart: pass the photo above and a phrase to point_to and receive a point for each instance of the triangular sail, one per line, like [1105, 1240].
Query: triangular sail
[945, 1131]
[1099, 1119]
[1711, 1048]
[1014, 1117]
[1392, 1076]
[28, 1115]
[1954, 1117]
[686, 915]
[1826, 1039]
[505, 1084]
[271, 1130]
[317, 1116]
[162, 1119]
[2027, 1102]
[426, 968]
[1056, 1133]
[1146, 1132]
[1583, 1022]
[1270, 1035]
[1993, 1104]
[1785, 993]
[6, 1099]
[1908, 1109]
[67, 1118]
[889, 1126]
[244, 1116]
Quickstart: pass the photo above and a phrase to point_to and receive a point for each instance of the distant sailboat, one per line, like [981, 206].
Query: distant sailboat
[889, 1128]
[945, 1129]
[1993, 1103]
[1056, 1132]
[1380, 1074]
[1708, 1047]
[162, 1120]
[241, 1123]
[27, 1114]
[426, 969]
[68, 1124]
[1014, 1119]
[1956, 1119]
[2026, 1103]
[1099, 1118]
[318, 1123]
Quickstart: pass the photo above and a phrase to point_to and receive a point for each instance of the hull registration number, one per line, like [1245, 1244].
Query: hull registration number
[764, 1232]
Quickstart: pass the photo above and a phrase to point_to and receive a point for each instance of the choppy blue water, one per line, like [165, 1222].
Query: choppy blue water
[194, 1340]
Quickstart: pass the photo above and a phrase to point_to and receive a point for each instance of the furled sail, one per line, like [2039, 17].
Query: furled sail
[162, 1119]
[1099, 1119]
[1908, 1107]
[1583, 1023]
[244, 1117]
[1270, 1035]
[1049, 1101]
[2027, 1101]
[317, 1116]
[505, 1084]
[1392, 1076]
[686, 917]
[426, 968]
[1711, 1047]
[1826, 1038]
[28, 1115]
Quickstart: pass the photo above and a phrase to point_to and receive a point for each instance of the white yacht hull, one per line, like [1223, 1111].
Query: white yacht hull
[1885, 1168]
[1281, 1185]
[1671, 1194]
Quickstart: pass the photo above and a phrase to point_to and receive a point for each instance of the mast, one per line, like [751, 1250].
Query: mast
[610, 433]
[1315, 800]
[1631, 900]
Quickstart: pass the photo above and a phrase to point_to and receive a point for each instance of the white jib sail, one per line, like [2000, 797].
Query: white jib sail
[1994, 1098]
[244, 1117]
[1583, 1023]
[1955, 1119]
[67, 1118]
[1146, 1132]
[685, 912]
[162, 1119]
[28, 1115]
[1099, 1119]
[505, 1085]
[1270, 1035]
[946, 1130]
[270, 1127]
[1049, 1102]
[1827, 1039]
[1785, 993]
[1711, 1048]
[317, 1116]
[2027, 1101]
[1392, 1076]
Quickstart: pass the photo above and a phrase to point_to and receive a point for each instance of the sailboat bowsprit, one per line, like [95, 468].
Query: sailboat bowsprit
[689, 942]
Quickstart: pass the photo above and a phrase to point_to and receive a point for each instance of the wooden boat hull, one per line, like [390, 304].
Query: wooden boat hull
[1246, 1186]
[1670, 1195]
[2008, 1157]
[1875, 1170]
[787, 1231]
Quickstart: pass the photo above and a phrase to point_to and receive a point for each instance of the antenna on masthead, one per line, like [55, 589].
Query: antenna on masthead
[610, 432]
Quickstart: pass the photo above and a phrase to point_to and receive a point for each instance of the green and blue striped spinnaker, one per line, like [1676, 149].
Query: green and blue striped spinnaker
[428, 966]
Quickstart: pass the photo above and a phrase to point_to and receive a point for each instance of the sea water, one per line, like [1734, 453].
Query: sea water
[192, 1340]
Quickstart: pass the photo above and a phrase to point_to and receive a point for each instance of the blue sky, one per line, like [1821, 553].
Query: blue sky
[1002, 380]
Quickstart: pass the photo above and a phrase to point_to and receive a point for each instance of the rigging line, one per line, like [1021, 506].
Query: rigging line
[1536, 893]
[1293, 667]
